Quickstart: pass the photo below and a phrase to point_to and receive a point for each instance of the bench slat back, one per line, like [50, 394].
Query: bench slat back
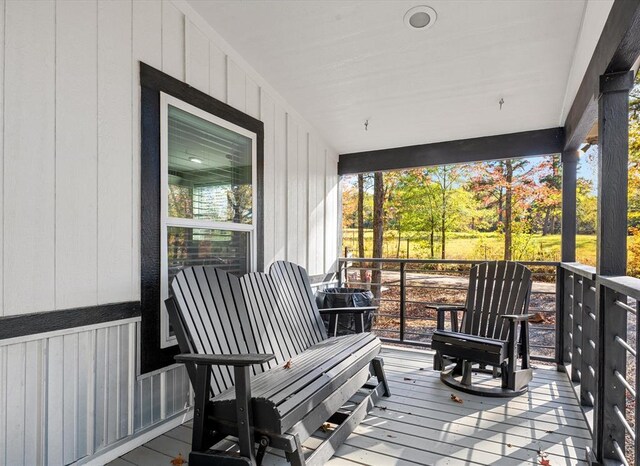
[219, 313]
[214, 319]
[300, 302]
[495, 288]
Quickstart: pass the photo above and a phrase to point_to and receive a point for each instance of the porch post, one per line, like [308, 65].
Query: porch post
[611, 259]
[613, 157]
[569, 168]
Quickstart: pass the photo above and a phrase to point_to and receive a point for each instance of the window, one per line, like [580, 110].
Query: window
[208, 200]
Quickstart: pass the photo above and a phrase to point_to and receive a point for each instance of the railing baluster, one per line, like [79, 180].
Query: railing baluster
[588, 382]
[576, 311]
[609, 431]
[403, 298]
[567, 323]
[636, 404]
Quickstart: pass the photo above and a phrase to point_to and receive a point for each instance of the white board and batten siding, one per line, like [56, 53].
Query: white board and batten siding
[70, 208]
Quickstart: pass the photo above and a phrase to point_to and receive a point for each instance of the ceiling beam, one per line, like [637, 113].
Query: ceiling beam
[617, 50]
[504, 146]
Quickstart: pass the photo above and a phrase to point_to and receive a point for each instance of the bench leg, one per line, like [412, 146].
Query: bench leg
[296, 458]
[378, 370]
[243, 413]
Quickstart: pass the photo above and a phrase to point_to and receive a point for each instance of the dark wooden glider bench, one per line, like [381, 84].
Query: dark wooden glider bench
[263, 368]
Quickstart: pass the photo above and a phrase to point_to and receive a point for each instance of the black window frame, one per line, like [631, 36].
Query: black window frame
[152, 83]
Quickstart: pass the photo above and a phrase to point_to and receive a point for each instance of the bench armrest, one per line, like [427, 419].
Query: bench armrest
[347, 310]
[517, 318]
[236, 360]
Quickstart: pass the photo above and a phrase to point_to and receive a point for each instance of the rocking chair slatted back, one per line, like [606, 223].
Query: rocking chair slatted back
[495, 289]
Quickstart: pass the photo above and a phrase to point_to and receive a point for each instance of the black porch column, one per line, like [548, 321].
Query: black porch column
[613, 158]
[569, 168]
[611, 259]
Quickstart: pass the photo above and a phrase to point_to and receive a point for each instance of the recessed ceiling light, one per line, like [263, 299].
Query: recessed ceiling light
[420, 17]
[195, 160]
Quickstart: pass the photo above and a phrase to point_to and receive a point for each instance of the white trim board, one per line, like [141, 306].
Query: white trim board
[127, 444]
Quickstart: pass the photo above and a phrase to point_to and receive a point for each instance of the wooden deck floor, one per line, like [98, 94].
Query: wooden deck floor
[420, 424]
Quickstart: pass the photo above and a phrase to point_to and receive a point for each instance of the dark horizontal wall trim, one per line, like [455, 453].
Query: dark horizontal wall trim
[504, 146]
[42, 322]
[617, 50]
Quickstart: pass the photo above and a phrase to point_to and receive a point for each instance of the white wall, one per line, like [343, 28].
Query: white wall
[70, 206]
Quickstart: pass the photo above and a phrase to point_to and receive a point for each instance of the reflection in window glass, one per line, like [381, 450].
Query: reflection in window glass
[210, 170]
[227, 250]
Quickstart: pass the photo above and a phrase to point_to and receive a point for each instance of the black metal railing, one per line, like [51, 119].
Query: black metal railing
[405, 287]
[598, 347]
[585, 323]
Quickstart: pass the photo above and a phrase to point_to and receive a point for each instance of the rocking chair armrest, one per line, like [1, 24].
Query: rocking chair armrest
[347, 310]
[516, 318]
[447, 307]
[235, 360]
[441, 309]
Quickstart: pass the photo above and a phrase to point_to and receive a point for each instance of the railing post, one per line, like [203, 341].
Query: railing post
[576, 312]
[403, 298]
[559, 319]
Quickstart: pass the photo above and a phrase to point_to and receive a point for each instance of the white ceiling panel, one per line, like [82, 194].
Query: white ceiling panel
[340, 63]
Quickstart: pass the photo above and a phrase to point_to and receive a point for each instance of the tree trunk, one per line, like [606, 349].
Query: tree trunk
[545, 223]
[508, 210]
[363, 272]
[444, 214]
[431, 240]
[378, 231]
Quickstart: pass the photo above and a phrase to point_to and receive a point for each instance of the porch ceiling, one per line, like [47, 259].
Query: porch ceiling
[340, 63]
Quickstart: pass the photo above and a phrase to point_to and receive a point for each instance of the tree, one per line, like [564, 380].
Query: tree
[378, 230]
[363, 272]
[509, 187]
[413, 204]
[549, 194]
[586, 207]
[446, 177]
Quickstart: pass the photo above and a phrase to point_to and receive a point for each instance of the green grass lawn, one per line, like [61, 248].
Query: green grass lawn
[473, 245]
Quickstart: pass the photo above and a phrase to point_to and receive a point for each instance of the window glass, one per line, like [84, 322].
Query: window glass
[210, 170]
[225, 249]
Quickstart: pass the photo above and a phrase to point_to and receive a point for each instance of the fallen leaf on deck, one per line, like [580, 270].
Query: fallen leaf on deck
[326, 427]
[422, 368]
[509, 445]
[288, 364]
[178, 460]
[537, 318]
[391, 436]
[408, 378]
[542, 458]
[456, 398]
